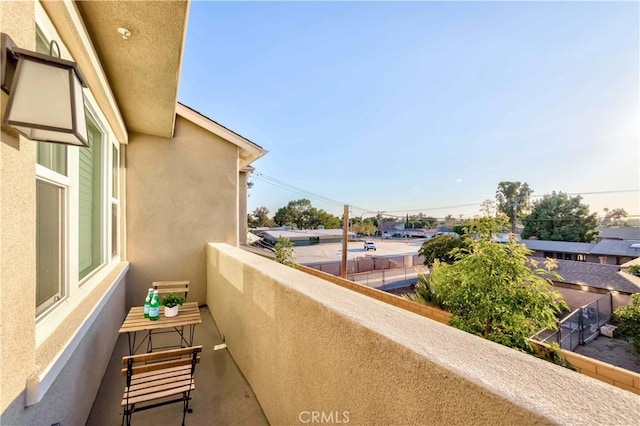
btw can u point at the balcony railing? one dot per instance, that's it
(316, 352)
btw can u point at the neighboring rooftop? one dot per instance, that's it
(558, 246)
(620, 233)
(617, 248)
(391, 226)
(596, 275)
(297, 234)
(603, 247)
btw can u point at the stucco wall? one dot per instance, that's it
(242, 207)
(17, 230)
(182, 193)
(70, 397)
(306, 345)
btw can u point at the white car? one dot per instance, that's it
(369, 245)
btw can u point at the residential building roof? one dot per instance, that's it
(298, 234)
(620, 233)
(249, 151)
(617, 248)
(603, 247)
(391, 226)
(558, 246)
(597, 275)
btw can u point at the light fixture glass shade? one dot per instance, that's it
(46, 101)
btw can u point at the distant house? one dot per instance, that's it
(598, 276)
(304, 237)
(446, 230)
(583, 282)
(619, 233)
(390, 227)
(610, 252)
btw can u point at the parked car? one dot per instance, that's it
(369, 245)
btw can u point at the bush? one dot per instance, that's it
(440, 248)
(634, 269)
(628, 320)
(284, 251)
(425, 292)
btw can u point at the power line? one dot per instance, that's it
(300, 191)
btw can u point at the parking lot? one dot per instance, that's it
(333, 251)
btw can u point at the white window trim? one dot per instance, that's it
(77, 290)
(114, 201)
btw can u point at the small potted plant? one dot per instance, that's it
(171, 303)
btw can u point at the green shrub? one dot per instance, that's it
(628, 320)
(284, 251)
(634, 269)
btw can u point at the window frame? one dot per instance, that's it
(52, 177)
(76, 290)
(114, 225)
(104, 175)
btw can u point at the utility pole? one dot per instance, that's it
(345, 245)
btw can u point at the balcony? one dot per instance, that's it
(314, 352)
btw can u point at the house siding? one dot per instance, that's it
(64, 390)
(17, 230)
(183, 187)
(69, 399)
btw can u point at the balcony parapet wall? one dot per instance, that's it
(311, 348)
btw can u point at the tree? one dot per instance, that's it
(365, 228)
(614, 217)
(558, 217)
(440, 248)
(430, 221)
(260, 218)
(449, 220)
(495, 291)
(284, 251)
(489, 208)
(302, 215)
(628, 320)
(513, 200)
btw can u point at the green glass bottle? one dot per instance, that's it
(154, 307)
(147, 302)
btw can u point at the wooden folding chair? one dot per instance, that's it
(159, 378)
(165, 287)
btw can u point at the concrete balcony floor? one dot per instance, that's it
(222, 395)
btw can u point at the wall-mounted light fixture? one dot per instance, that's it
(45, 95)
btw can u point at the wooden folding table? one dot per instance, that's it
(184, 324)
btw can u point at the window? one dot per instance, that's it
(90, 218)
(77, 207)
(581, 257)
(567, 256)
(558, 255)
(51, 194)
(50, 219)
(548, 254)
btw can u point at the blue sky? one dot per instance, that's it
(424, 106)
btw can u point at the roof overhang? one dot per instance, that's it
(144, 70)
(248, 151)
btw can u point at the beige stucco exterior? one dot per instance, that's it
(186, 190)
(306, 345)
(51, 367)
(242, 205)
(17, 232)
